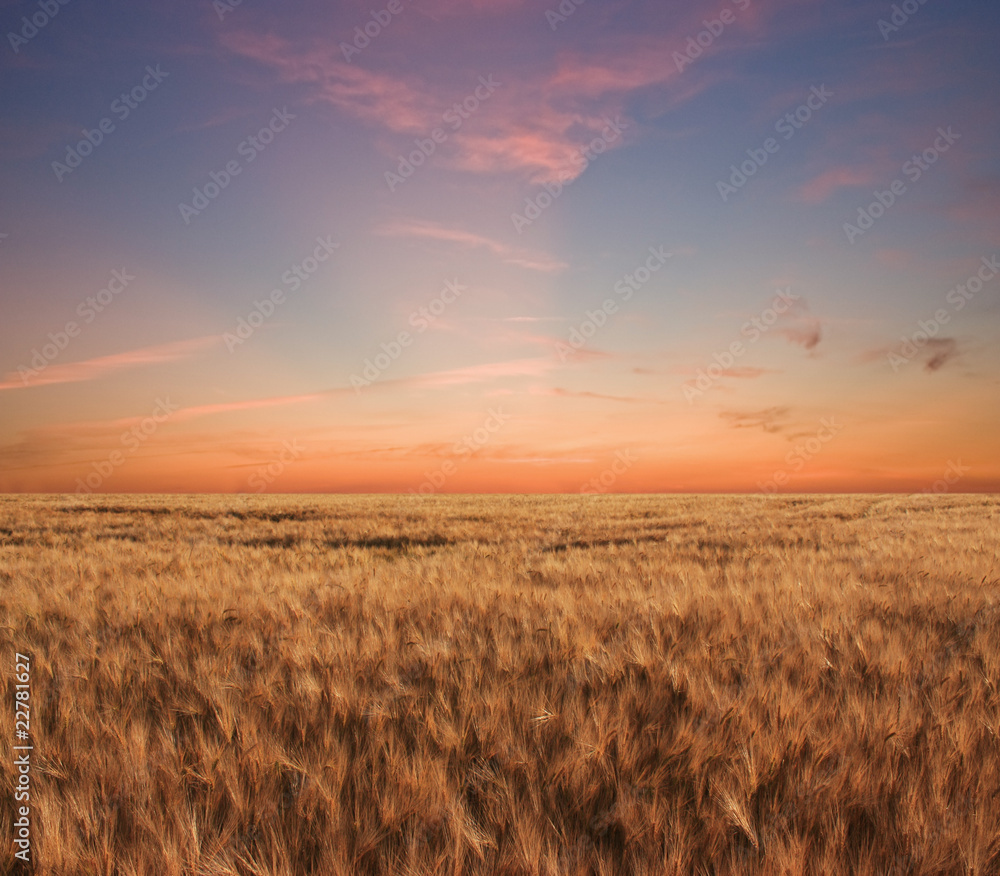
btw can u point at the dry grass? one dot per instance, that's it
(649, 685)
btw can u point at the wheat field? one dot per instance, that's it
(505, 685)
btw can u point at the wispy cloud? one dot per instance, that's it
(377, 98)
(486, 372)
(196, 411)
(92, 369)
(806, 334)
(571, 393)
(935, 353)
(747, 372)
(772, 419)
(537, 123)
(799, 326)
(535, 261)
(534, 319)
(940, 351)
(821, 187)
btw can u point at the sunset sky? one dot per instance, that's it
(500, 246)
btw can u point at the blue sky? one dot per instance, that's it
(311, 119)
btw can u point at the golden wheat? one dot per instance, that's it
(505, 685)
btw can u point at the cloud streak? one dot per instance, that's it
(536, 125)
(772, 419)
(534, 261)
(940, 351)
(102, 366)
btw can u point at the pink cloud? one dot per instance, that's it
(806, 335)
(195, 411)
(373, 97)
(534, 261)
(584, 354)
(569, 393)
(739, 372)
(539, 126)
(484, 373)
(532, 319)
(643, 62)
(747, 372)
(829, 181)
(895, 258)
(799, 326)
(92, 369)
(546, 153)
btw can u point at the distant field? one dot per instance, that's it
(505, 685)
